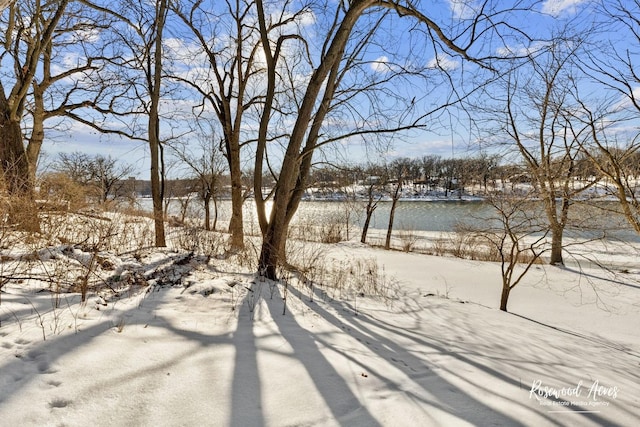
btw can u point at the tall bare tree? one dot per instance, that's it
(537, 100)
(227, 40)
(614, 155)
(28, 29)
(351, 29)
(137, 72)
(65, 86)
(613, 64)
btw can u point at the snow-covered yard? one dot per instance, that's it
(181, 340)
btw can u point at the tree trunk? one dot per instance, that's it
(557, 227)
(392, 213)
(154, 127)
(272, 252)
(504, 297)
(207, 213)
(37, 133)
(556, 246)
(236, 225)
(156, 195)
(215, 214)
(15, 172)
(367, 221)
(387, 242)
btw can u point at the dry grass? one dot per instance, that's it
(468, 245)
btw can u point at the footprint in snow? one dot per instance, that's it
(35, 354)
(59, 403)
(45, 368)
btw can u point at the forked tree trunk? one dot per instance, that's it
(272, 252)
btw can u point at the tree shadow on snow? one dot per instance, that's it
(383, 338)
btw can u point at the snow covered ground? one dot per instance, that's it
(182, 340)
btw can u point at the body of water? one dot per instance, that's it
(431, 216)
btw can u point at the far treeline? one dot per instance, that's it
(110, 179)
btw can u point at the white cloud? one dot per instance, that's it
(519, 51)
(443, 61)
(381, 64)
(463, 9)
(557, 7)
(91, 35)
(625, 100)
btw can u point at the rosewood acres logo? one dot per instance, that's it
(582, 397)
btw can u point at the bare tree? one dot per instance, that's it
(28, 30)
(612, 63)
(138, 77)
(537, 98)
(206, 164)
(105, 174)
(351, 28)
(614, 156)
(231, 83)
(180, 191)
(515, 234)
(396, 174)
(65, 86)
(109, 175)
(373, 183)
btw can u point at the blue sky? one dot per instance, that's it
(440, 140)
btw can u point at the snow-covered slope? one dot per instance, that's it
(214, 348)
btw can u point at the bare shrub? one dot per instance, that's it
(247, 256)
(9, 267)
(196, 239)
(305, 257)
(21, 213)
(440, 246)
(330, 229)
(333, 229)
(134, 233)
(59, 192)
(408, 239)
(333, 279)
(463, 243)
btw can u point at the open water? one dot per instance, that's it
(434, 216)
